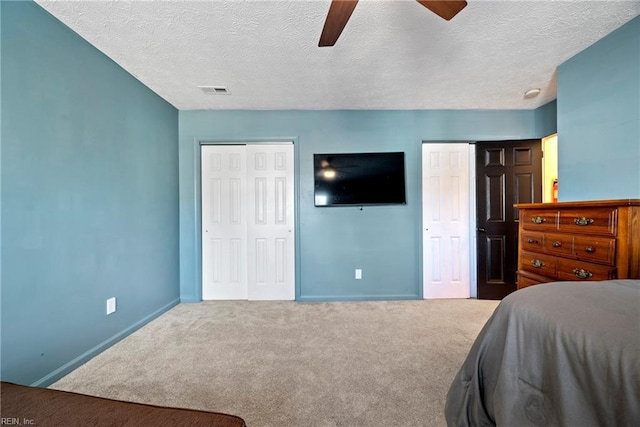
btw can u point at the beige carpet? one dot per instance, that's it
(386, 363)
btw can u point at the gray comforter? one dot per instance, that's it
(559, 354)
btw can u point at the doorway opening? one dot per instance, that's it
(550, 169)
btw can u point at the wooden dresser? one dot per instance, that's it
(596, 240)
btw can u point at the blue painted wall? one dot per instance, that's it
(89, 198)
(384, 241)
(546, 118)
(599, 119)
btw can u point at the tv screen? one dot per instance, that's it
(359, 179)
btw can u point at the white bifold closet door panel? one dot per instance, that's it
(224, 222)
(445, 218)
(248, 222)
(270, 243)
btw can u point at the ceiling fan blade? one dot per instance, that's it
(444, 9)
(339, 13)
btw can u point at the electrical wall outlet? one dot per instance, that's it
(111, 305)
(358, 273)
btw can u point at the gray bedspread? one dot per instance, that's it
(559, 354)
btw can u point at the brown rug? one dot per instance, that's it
(42, 407)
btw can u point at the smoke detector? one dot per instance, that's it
(532, 93)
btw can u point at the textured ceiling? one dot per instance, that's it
(391, 55)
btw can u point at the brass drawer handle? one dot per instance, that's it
(556, 244)
(538, 219)
(583, 221)
(537, 263)
(582, 273)
(532, 241)
(589, 249)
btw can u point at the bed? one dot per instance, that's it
(557, 354)
(22, 405)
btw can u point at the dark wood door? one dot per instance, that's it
(507, 172)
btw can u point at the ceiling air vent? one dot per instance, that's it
(215, 90)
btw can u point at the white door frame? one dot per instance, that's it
(473, 274)
(196, 273)
(473, 235)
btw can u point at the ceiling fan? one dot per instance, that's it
(340, 12)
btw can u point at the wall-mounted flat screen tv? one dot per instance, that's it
(359, 179)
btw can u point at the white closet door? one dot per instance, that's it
(270, 247)
(445, 218)
(224, 222)
(248, 247)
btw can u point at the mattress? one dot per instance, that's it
(563, 353)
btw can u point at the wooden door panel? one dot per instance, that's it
(507, 172)
(523, 156)
(495, 190)
(524, 190)
(495, 259)
(494, 156)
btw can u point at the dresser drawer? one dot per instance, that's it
(532, 241)
(528, 279)
(560, 244)
(523, 282)
(579, 270)
(542, 264)
(539, 219)
(589, 221)
(597, 249)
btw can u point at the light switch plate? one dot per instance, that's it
(358, 273)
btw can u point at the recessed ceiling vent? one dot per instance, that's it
(215, 90)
